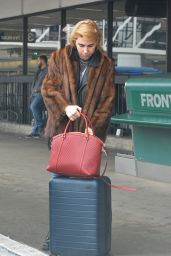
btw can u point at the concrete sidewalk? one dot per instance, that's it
(9, 247)
(112, 141)
(141, 220)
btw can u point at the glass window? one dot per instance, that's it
(43, 37)
(138, 41)
(97, 12)
(11, 47)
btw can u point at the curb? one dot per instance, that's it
(9, 247)
(119, 143)
(113, 142)
(15, 128)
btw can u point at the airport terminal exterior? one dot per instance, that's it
(135, 32)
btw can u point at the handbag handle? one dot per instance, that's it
(87, 121)
(104, 151)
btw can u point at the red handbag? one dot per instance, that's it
(76, 153)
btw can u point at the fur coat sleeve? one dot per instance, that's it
(53, 84)
(105, 104)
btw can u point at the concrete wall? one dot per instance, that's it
(10, 8)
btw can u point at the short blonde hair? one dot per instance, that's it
(88, 29)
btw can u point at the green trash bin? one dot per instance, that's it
(149, 113)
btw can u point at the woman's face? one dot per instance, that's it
(85, 47)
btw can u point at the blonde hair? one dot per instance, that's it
(88, 29)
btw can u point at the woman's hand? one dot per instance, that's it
(73, 112)
(90, 131)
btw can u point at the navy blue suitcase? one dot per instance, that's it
(80, 217)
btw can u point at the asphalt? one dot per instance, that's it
(141, 219)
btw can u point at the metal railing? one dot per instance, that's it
(120, 104)
(15, 99)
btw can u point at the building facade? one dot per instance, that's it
(135, 32)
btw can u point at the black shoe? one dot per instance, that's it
(34, 136)
(45, 244)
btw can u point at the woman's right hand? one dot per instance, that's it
(73, 112)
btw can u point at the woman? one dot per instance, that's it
(80, 78)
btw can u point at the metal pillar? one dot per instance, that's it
(63, 24)
(25, 70)
(110, 27)
(25, 50)
(168, 36)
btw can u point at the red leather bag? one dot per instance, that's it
(76, 153)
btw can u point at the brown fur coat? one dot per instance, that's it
(59, 89)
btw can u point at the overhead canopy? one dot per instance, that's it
(146, 8)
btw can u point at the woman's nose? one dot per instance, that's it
(85, 49)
